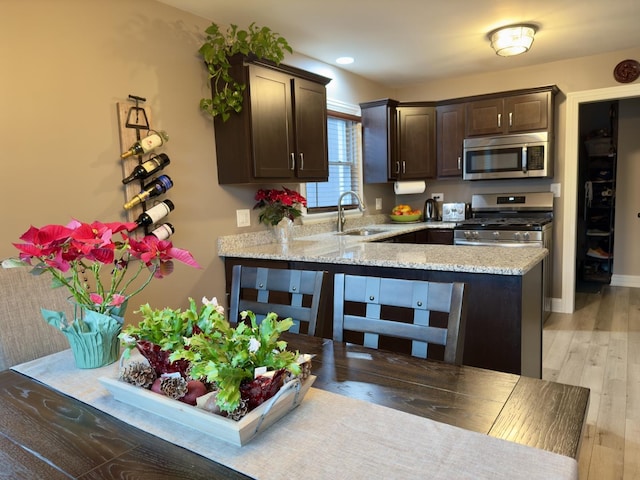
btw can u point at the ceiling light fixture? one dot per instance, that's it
(512, 40)
(344, 60)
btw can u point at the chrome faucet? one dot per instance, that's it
(341, 219)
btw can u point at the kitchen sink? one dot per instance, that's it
(361, 232)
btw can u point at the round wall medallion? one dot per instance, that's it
(626, 71)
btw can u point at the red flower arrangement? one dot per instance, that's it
(77, 255)
(278, 204)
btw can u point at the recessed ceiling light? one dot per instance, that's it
(344, 60)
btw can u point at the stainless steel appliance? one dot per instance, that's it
(512, 220)
(454, 212)
(507, 156)
(431, 210)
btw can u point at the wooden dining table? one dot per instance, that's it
(46, 434)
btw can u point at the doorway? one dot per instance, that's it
(597, 169)
(569, 201)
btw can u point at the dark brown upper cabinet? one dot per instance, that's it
(450, 125)
(398, 141)
(280, 135)
(517, 113)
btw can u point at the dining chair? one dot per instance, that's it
(289, 293)
(24, 334)
(426, 315)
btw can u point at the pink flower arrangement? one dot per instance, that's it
(91, 261)
(278, 204)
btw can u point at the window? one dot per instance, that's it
(344, 134)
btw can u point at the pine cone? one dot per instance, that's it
(240, 411)
(305, 372)
(174, 387)
(305, 368)
(139, 374)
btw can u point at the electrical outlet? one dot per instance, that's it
(378, 204)
(438, 197)
(555, 188)
(243, 217)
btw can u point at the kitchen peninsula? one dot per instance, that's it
(504, 285)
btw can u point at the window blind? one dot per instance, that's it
(344, 150)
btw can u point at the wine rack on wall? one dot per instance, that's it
(134, 123)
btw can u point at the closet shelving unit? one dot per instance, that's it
(599, 205)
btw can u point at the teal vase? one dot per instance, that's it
(93, 337)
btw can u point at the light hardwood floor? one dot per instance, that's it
(598, 346)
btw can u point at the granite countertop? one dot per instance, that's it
(317, 244)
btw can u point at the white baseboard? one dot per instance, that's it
(625, 281)
(558, 306)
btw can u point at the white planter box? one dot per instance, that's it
(235, 432)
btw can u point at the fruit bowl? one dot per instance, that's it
(406, 218)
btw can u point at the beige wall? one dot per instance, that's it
(626, 254)
(65, 65)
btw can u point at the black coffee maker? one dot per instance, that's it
(431, 211)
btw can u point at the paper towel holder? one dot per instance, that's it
(409, 187)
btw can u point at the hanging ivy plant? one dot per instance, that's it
(219, 46)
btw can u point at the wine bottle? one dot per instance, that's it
(148, 168)
(146, 144)
(163, 232)
(155, 213)
(153, 189)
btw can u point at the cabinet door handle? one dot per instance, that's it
(397, 167)
(404, 167)
(511, 119)
(301, 161)
(293, 161)
(459, 163)
(499, 120)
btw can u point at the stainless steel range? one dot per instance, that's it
(512, 220)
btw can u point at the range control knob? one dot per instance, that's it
(526, 236)
(516, 236)
(496, 235)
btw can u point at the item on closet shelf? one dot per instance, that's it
(604, 174)
(146, 144)
(148, 168)
(600, 145)
(588, 193)
(159, 186)
(596, 232)
(155, 213)
(598, 253)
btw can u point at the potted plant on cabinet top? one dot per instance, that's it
(219, 46)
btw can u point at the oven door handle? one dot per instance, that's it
(481, 243)
(524, 159)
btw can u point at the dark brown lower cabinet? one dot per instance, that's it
(504, 312)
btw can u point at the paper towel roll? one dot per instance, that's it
(404, 188)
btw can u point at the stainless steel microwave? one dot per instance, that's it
(507, 156)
